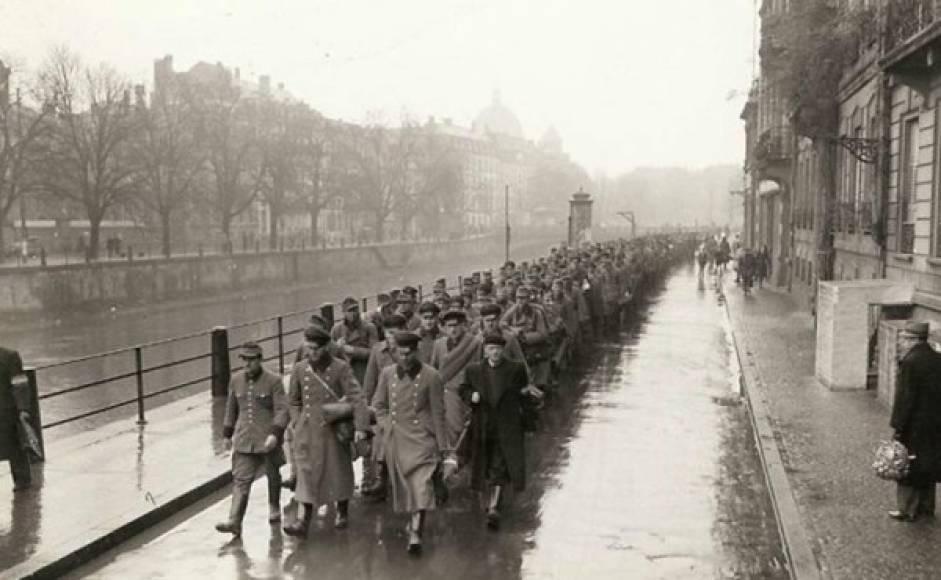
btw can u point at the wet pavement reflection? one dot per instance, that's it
(645, 468)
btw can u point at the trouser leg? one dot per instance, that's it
(244, 467)
(19, 467)
(926, 499)
(907, 497)
(273, 462)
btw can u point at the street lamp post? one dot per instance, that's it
(506, 222)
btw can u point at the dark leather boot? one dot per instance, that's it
(299, 527)
(274, 496)
(343, 515)
(415, 528)
(493, 508)
(236, 514)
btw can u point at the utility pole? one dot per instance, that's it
(506, 221)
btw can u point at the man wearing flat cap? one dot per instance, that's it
(495, 388)
(916, 419)
(450, 356)
(405, 306)
(429, 331)
(256, 414)
(354, 337)
(324, 463)
(409, 404)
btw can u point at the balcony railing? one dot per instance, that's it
(774, 143)
(906, 18)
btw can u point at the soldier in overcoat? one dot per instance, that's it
(324, 464)
(409, 404)
(14, 405)
(495, 388)
(256, 414)
(916, 419)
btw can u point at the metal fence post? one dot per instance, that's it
(35, 416)
(281, 343)
(421, 293)
(365, 302)
(219, 359)
(326, 311)
(139, 375)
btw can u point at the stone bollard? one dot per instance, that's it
(220, 368)
(35, 416)
(326, 311)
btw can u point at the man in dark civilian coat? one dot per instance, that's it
(14, 404)
(495, 389)
(916, 418)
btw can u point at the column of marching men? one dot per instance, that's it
(430, 393)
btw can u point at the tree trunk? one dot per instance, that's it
(314, 212)
(380, 227)
(3, 246)
(94, 235)
(165, 232)
(227, 233)
(273, 214)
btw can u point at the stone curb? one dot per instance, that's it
(801, 561)
(101, 544)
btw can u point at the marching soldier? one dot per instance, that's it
(452, 353)
(256, 414)
(409, 405)
(354, 337)
(429, 331)
(324, 463)
(528, 324)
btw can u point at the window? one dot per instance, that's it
(906, 187)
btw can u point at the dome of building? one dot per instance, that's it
(550, 141)
(498, 119)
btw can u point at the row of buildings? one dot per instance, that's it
(500, 176)
(850, 204)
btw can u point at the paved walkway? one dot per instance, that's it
(646, 468)
(101, 487)
(827, 441)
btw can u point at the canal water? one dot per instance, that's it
(646, 467)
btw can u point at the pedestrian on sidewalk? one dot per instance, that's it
(916, 419)
(256, 414)
(324, 463)
(409, 404)
(14, 407)
(495, 388)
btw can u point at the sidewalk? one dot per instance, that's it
(101, 487)
(826, 441)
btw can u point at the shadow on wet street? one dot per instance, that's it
(645, 467)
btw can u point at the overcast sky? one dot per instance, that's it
(625, 82)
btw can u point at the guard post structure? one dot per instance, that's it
(220, 365)
(579, 218)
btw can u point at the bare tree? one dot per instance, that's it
(322, 167)
(21, 130)
(228, 127)
(87, 158)
(436, 186)
(284, 128)
(379, 174)
(169, 156)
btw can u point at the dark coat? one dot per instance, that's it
(10, 403)
(916, 413)
(501, 404)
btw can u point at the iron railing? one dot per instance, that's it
(120, 378)
(906, 18)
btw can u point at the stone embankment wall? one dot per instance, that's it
(88, 286)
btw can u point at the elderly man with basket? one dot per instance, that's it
(916, 419)
(330, 415)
